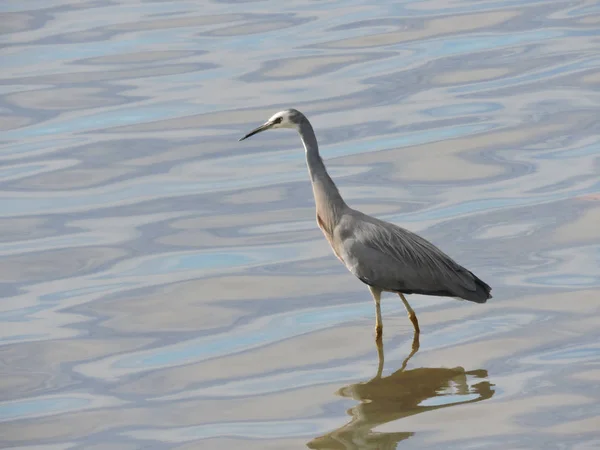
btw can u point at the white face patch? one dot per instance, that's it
(285, 121)
(289, 118)
(276, 115)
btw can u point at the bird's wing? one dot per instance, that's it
(389, 257)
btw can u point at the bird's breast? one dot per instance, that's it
(328, 235)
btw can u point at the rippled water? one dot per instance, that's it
(164, 286)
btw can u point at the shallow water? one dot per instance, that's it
(164, 286)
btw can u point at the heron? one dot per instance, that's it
(384, 256)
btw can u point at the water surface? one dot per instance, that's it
(164, 286)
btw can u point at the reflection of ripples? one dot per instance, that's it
(145, 256)
(404, 393)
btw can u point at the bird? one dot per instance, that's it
(384, 256)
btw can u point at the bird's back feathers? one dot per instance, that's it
(392, 258)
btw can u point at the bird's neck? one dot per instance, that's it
(329, 203)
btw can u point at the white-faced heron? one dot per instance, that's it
(380, 254)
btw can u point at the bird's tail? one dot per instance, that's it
(481, 293)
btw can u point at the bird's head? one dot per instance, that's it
(289, 118)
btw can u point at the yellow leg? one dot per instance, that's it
(415, 349)
(378, 322)
(380, 357)
(411, 314)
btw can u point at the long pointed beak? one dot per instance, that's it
(263, 127)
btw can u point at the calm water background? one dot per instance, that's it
(164, 286)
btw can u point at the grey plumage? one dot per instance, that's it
(382, 255)
(394, 259)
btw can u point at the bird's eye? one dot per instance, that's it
(278, 120)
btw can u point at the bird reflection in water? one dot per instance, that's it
(404, 393)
